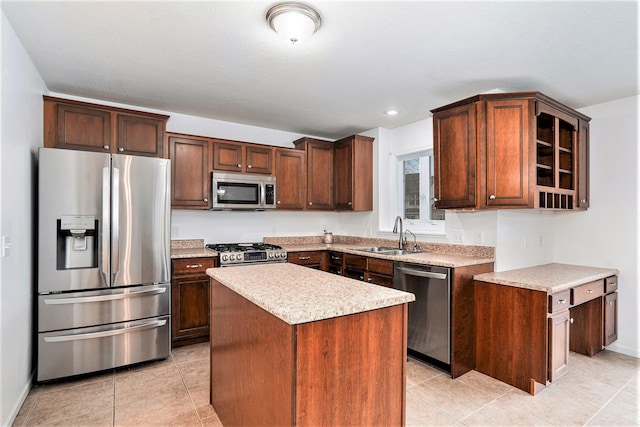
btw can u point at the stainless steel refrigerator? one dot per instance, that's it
(103, 261)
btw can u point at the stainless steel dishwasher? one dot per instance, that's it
(429, 325)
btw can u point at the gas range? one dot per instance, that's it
(248, 253)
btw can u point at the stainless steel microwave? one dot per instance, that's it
(242, 191)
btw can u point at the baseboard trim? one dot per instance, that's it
(23, 396)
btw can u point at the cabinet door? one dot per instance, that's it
(259, 160)
(610, 318)
(228, 156)
(507, 154)
(190, 308)
(140, 136)
(454, 150)
(378, 279)
(319, 175)
(83, 128)
(189, 172)
(290, 179)
(558, 345)
(583, 165)
(343, 175)
(315, 259)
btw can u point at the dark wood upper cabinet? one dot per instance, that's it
(140, 136)
(353, 173)
(77, 125)
(235, 156)
(510, 150)
(189, 172)
(319, 172)
(290, 178)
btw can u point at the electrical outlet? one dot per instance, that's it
(479, 237)
(457, 236)
(6, 246)
(175, 232)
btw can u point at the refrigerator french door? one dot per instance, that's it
(103, 261)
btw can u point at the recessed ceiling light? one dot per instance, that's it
(391, 112)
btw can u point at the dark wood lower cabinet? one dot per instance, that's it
(347, 370)
(558, 344)
(610, 318)
(190, 301)
(312, 259)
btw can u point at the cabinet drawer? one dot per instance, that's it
(192, 265)
(610, 284)
(380, 266)
(559, 301)
(305, 258)
(379, 279)
(335, 258)
(355, 262)
(587, 292)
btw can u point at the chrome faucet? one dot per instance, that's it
(402, 241)
(416, 246)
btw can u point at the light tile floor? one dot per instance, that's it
(597, 391)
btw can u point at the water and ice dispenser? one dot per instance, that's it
(77, 242)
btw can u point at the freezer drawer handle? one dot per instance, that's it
(419, 273)
(121, 331)
(100, 298)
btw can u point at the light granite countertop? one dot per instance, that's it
(550, 278)
(431, 258)
(192, 253)
(297, 294)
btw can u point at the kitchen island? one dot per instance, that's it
(295, 346)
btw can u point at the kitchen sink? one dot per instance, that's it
(384, 250)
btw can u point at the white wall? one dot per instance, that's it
(20, 136)
(607, 234)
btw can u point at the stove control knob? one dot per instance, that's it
(239, 257)
(232, 257)
(224, 257)
(271, 255)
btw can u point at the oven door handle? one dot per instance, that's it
(120, 331)
(100, 298)
(428, 274)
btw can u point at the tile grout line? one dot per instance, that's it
(612, 397)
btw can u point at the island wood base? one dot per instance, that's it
(347, 370)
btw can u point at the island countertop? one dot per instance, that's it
(548, 278)
(297, 294)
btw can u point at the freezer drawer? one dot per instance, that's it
(80, 351)
(91, 308)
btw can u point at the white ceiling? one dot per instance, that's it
(221, 60)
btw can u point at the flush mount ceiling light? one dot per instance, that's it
(294, 22)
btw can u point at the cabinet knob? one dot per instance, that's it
(571, 320)
(278, 202)
(248, 166)
(205, 200)
(435, 199)
(310, 203)
(609, 302)
(583, 201)
(349, 203)
(492, 197)
(369, 279)
(121, 149)
(239, 165)
(106, 147)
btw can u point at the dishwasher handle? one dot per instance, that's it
(428, 274)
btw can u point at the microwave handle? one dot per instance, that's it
(263, 193)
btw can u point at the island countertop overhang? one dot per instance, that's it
(297, 294)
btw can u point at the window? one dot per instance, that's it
(415, 185)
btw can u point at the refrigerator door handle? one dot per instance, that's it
(119, 331)
(100, 298)
(106, 220)
(115, 221)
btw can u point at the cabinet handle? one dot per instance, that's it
(369, 279)
(561, 301)
(335, 257)
(612, 284)
(492, 197)
(248, 166)
(121, 149)
(304, 258)
(361, 277)
(194, 265)
(583, 201)
(205, 200)
(349, 203)
(106, 147)
(609, 302)
(589, 291)
(239, 165)
(310, 203)
(571, 320)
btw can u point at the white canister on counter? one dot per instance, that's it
(328, 236)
